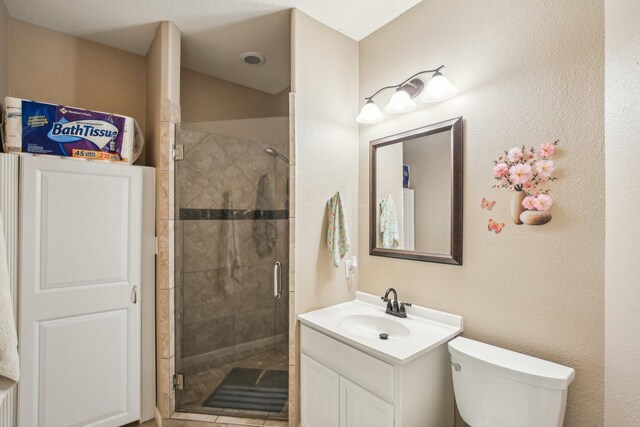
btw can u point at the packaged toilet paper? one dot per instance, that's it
(58, 130)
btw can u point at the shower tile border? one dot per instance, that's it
(189, 214)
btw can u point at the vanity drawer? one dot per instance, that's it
(371, 373)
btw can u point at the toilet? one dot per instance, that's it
(495, 387)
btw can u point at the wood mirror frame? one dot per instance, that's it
(455, 255)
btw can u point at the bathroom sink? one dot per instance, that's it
(360, 323)
(369, 326)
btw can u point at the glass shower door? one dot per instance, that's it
(231, 234)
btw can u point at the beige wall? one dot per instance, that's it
(4, 51)
(153, 105)
(270, 130)
(54, 67)
(281, 104)
(622, 296)
(326, 88)
(206, 98)
(526, 74)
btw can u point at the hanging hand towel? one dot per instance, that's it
(9, 361)
(264, 229)
(337, 235)
(389, 223)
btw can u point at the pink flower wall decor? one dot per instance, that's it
(527, 173)
(529, 203)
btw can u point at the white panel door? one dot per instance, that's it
(359, 408)
(319, 392)
(80, 293)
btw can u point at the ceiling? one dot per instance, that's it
(214, 32)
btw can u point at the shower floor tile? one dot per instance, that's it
(199, 386)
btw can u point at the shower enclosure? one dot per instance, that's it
(231, 258)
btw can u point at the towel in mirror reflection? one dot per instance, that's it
(389, 223)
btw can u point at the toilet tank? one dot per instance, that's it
(495, 387)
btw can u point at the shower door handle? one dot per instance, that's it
(277, 279)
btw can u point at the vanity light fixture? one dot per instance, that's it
(437, 89)
(370, 113)
(400, 102)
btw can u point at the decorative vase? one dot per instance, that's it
(516, 206)
(535, 217)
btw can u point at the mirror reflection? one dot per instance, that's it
(413, 194)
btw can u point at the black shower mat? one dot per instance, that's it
(251, 389)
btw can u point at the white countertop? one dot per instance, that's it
(359, 322)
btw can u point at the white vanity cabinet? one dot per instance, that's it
(359, 408)
(329, 399)
(342, 386)
(320, 394)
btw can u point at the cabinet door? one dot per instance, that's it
(359, 408)
(79, 305)
(319, 394)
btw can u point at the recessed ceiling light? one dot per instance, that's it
(252, 58)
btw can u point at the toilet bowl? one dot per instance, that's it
(495, 387)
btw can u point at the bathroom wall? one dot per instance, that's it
(153, 104)
(4, 51)
(268, 129)
(326, 102)
(163, 110)
(526, 74)
(54, 67)
(232, 101)
(622, 269)
(325, 147)
(281, 105)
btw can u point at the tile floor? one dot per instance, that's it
(199, 386)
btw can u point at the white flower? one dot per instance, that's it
(546, 150)
(543, 202)
(520, 174)
(545, 168)
(500, 170)
(529, 156)
(515, 154)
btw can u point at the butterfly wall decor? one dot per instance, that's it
(495, 226)
(487, 204)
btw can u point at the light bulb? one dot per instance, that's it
(400, 102)
(438, 89)
(370, 114)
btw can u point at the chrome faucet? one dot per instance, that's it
(394, 307)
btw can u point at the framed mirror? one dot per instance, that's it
(415, 194)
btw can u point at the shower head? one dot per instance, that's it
(273, 153)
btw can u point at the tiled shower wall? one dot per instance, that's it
(225, 308)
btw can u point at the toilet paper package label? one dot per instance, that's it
(64, 131)
(42, 128)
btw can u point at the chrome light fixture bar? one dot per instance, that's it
(437, 89)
